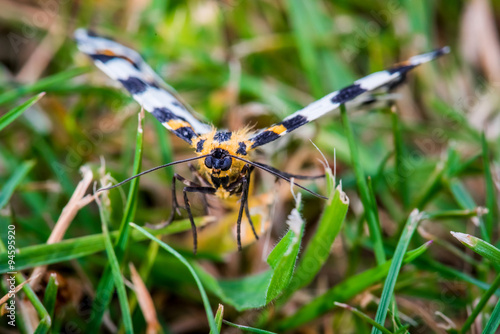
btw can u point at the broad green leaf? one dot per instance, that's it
(318, 248)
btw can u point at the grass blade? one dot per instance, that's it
(364, 193)
(400, 159)
(397, 260)
(14, 181)
(69, 249)
(364, 317)
(105, 287)
(480, 305)
(344, 291)
(494, 322)
(45, 320)
(479, 246)
(42, 85)
(116, 272)
(491, 199)
(206, 303)
(49, 300)
(218, 317)
(11, 115)
(247, 329)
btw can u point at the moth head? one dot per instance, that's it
(219, 160)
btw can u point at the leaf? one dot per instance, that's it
(69, 249)
(247, 329)
(397, 261)
(206, 303)
(50, 295)
(11, 115)
(318, 248)
(14, 181)
(116, 272)
(105, 287)
(218, 317)
(343, 291)
(479, 246)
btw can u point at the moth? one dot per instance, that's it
(225, 157)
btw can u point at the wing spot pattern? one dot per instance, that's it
(222, 136)
(294, 122)
(347, 94)
(164, 115)
(242, 149)
(134, 85)
(200, 144)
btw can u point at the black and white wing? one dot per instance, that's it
(127, 66)
(375, 81)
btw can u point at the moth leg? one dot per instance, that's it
(175, 203)
(247, 209)
(245, 182)
(195, 189)
(201, 180)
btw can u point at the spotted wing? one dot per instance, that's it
(126, 66)
(356, 92)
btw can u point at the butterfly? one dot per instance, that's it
(225, 162)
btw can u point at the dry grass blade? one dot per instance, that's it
(77, 201)
(19, 287)
(145, 301)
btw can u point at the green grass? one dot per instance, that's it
(240, 63)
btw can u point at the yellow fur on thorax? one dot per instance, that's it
(230, 146)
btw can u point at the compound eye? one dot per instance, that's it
(226, 163)
(208, 162)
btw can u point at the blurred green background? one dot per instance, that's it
(251, 63)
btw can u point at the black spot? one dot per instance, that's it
(164, 115)
(105, 58)
(223, 136)
(179, 105)
(347, 94)
(400, 69)
(102, 58)
(134, 85)
(242, 149)
(185, 133)
(199, 145)
(264, 137)
(293, 123)
(92, 33)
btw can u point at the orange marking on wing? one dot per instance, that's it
(107, 52)
(279, 129)
(175, 124)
